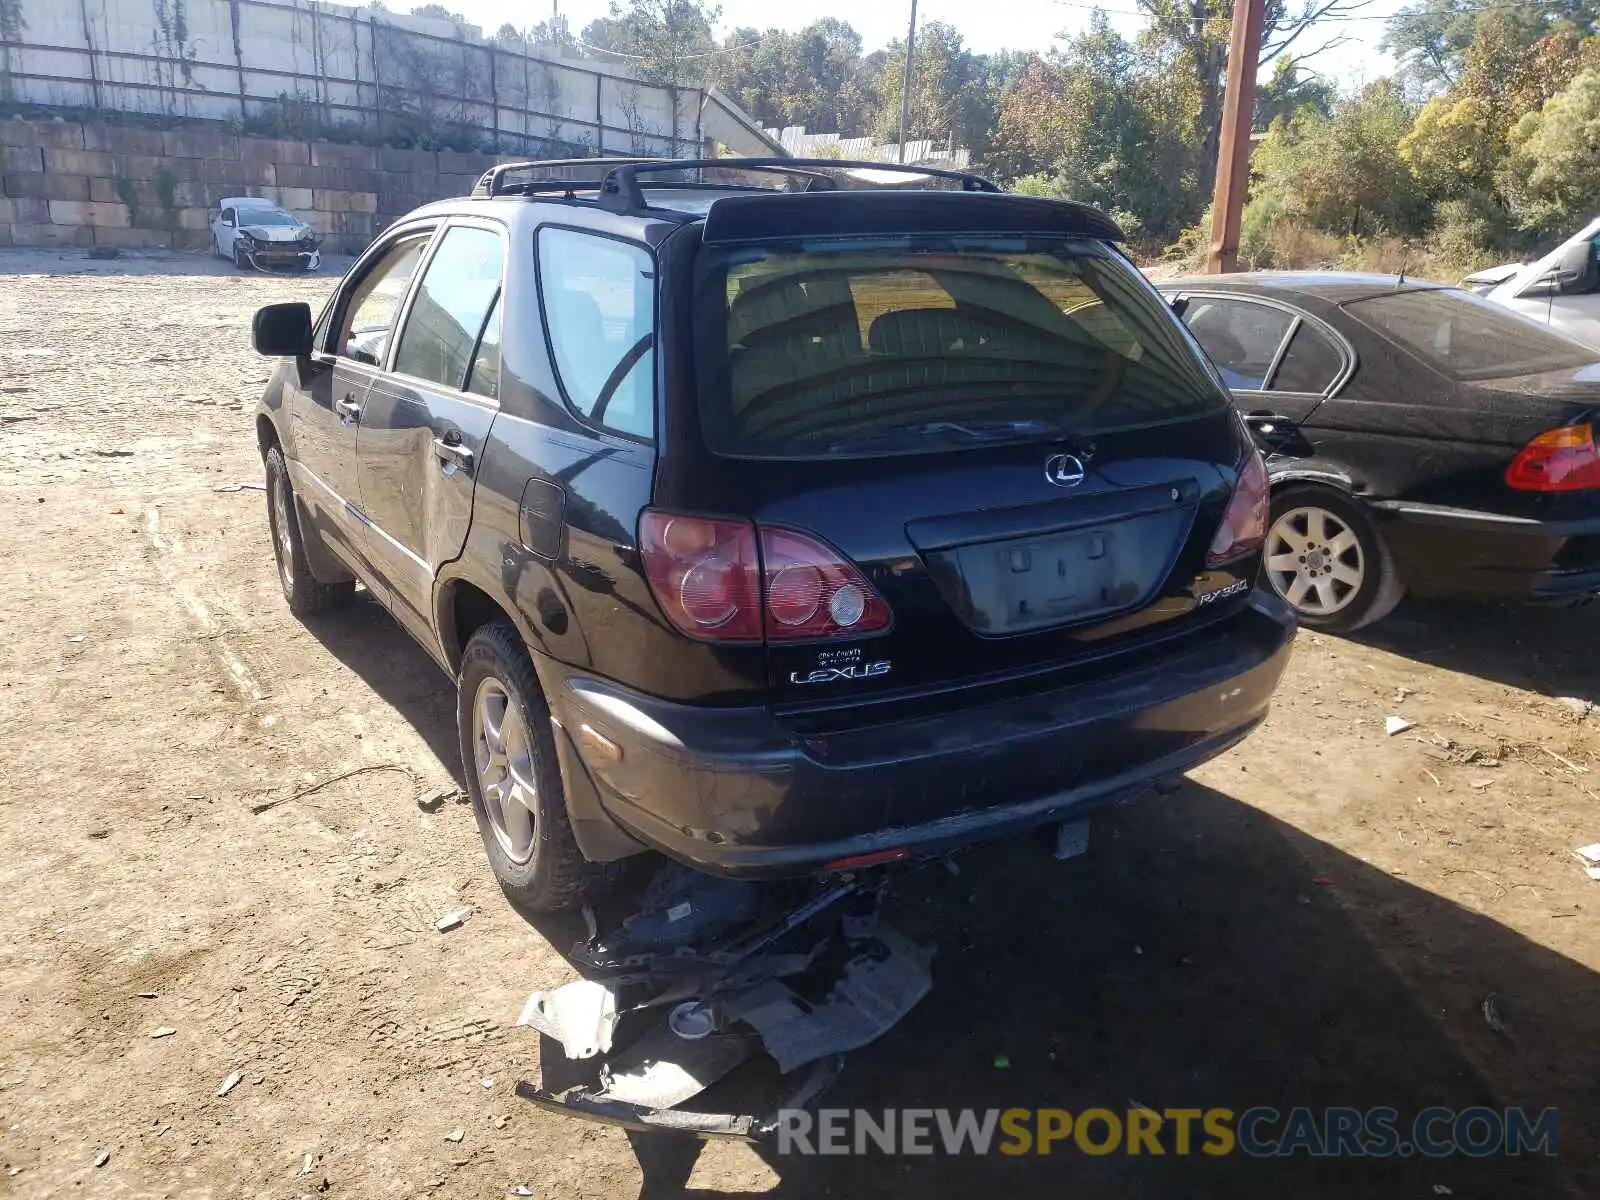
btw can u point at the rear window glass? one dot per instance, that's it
(872, 347)
(1466, 336)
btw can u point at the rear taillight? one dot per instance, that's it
(706, 575)
(1244, 521)
(813, 591)
(1562, 460)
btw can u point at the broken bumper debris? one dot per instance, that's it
(712, 974)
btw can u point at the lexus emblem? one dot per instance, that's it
(1064, 470)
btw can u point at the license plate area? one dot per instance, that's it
(1042, 581)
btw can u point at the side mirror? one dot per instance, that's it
(1180, 305)
(282, 330)
(1574, 272)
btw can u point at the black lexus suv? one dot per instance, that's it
(781, 526)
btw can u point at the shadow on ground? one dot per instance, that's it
(364, 637)
(1538, 647)
(1191, 959)
(47, 260)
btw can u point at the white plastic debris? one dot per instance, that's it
(102, 1158)
(1576, 705)
(1590, 856)
(1393, 724)
(582, 1016)
(163, 1031)
(228, 1084)
(305, 1164)
(452, 920)
(455, 1135)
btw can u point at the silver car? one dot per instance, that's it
(257, 233)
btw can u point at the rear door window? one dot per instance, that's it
(1466, 336)
(1242, 338)
(447, 318)
(599, 311)
(1310, 364)
(880, 346)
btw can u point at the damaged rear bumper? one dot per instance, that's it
(737, 792)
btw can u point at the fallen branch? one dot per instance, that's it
(264, 806)
(1566, 762)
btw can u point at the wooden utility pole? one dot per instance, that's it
(905, 78)
(1233, 156)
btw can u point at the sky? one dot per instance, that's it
(987, 25)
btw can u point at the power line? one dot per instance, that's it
(1508, 5)
(774, 35)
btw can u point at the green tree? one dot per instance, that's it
(1432, 40)
(1342, 173)
(814, 78)
(1098, 121)
(947, 103)
(439, 12)
(1552, 175)
(669, 42)
(1291, 89)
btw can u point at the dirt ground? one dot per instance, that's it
(1315, 919)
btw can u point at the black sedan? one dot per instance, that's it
(1418, 438)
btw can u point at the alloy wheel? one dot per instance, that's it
(1314, 560)
(282, 508)
(503, 754)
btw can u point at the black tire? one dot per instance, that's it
(555, 876)
(306, 596)
(1380, 587)
(239, 260)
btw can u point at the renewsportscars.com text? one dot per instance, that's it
(1259, 1132)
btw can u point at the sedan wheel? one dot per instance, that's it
(504, 761)
(1327, 558)
(1315, 561)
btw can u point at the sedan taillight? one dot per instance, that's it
(1244, 521)
(714, 585)
(1560, 460)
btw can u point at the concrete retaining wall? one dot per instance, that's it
(65, 183)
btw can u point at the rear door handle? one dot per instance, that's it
(453, 452)
(1267, 423)
(349, 409)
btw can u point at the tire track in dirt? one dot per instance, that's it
(167, 550)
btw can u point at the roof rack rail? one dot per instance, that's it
(620, 192)
(493, 181)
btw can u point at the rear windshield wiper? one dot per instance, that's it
(955, 431)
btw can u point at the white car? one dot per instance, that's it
(257, 233)
(1561, 290)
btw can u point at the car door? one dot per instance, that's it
(223, 229)
(352, 343)
(1279, 362)
(424, 422)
